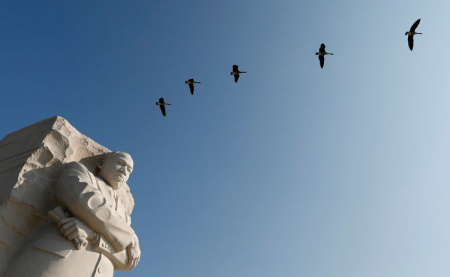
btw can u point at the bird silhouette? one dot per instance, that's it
(236, 73)
(322, 54)
(411, 34)
(191, 83)
(162, 105)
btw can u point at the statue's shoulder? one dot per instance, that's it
(75, 169)
(74, 165)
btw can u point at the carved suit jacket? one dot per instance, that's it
(95, 203)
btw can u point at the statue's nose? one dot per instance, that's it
(123, 170)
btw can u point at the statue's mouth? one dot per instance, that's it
(120, 177)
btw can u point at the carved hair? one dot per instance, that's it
(106, 156)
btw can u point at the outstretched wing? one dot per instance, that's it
(191, 87)
(414, 26)
(235, 68)
(236, 78)
(163, 109)
(322, 48)
(322, 60)
(411, 42)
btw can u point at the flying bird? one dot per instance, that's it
(236, 73)
(411, 34)
(322, 54)
(191, 83)
(161, 105)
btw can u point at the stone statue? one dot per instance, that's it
(93, 235)
(77, 217)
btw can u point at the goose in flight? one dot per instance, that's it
(236, 73)
(411, 34)
(322, 54)
(191, 83)
(161, 105)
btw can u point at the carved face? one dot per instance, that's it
(116, 169)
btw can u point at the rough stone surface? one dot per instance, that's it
(30, 161)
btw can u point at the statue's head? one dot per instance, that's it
(115, 168)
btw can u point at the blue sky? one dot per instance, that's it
(293, 171)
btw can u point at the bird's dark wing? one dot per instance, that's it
(235, 68)
(322, 48)
(236, 78)
(322, 60)
(191, 87)
(414, 26)
(161, 100)
(163, 109)
(411, 42)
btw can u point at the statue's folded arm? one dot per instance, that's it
(77, 190)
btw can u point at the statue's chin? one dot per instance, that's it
(116, 185)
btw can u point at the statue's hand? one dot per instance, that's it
(134, 253)
(72, 228)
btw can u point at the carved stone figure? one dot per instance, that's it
(93, 216)
(65, 205)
